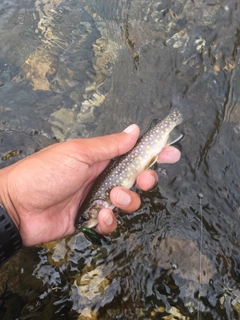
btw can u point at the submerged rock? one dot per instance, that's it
(183, 258)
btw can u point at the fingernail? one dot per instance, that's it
(123, 198)
(108, 219)
(153, 181)
(130, 128)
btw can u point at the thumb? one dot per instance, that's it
(107, 147)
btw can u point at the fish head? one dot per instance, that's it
(89, 217)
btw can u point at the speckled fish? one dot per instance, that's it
(124, 171)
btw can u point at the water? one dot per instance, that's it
(84, 68)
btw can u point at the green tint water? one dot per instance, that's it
(85, 68)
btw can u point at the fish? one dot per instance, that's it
(125, 169)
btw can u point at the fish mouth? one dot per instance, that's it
(89, 217)
(82, 219)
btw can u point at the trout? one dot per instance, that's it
(125, 169)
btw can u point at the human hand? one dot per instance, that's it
(41, 192)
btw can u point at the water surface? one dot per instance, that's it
(85, 68)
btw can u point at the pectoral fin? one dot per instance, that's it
(151, 162)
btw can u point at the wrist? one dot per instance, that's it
(10, 238)
(5, 198)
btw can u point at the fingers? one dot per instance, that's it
(169, 155)
(129, 201)
(107, 222)
(125, 200)
(107, 147)
(147, 180)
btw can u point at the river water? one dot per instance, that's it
(86, 68)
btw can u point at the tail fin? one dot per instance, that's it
(187, 108)
(180, 100)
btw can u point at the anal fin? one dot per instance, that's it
(174, 136)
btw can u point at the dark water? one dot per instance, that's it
(85, 68)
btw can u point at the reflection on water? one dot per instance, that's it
(84, 68)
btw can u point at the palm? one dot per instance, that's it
(54, 184)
